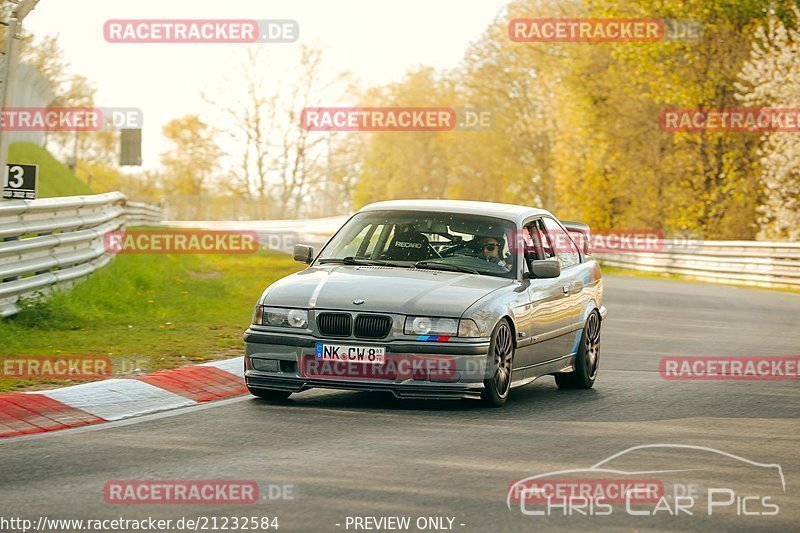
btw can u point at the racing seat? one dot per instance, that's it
(408, 245)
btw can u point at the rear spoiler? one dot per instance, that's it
(581, 234)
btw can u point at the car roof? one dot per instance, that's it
(516, 213)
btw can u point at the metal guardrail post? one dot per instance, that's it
(8, 239)
(46, 270)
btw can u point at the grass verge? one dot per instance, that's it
(158, 311)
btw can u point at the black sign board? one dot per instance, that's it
(130, 147)
(21, 182)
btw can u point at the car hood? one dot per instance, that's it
(383, 289)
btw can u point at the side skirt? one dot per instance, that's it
(532, 372)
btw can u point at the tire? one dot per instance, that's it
(497, 384)
(587, 361)
(270, 394)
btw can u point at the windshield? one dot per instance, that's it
(440, 241)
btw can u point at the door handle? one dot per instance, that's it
(565, 289)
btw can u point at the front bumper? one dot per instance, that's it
(430, 370)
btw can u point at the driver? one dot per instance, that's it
(490, 248)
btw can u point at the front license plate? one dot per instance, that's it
(375, 355)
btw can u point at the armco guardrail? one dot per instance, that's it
(764, 264)
(142, 214)
(54, 242)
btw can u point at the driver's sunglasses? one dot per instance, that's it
(489, 247)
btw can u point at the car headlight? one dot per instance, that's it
(282, 317)
(468, 328)
(426, 325)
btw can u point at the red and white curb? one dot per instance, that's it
(26, 413)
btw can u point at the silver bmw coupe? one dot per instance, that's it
(433, 299)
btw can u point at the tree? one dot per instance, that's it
(771, 78)
(405, 164)
(280, 161)
(193, 159)
(252, 118)
(297, 158)
(520, 83)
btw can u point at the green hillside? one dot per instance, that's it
(55, 179)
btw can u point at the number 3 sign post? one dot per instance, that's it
(21, 182)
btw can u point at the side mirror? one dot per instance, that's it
(303, 253)
(545, 268)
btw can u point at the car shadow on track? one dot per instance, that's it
(372, 401)
(522, 400)
(612, 400)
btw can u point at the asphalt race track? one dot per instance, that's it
(359, 454)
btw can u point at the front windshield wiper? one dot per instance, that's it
(435, 265)
(350, 260)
